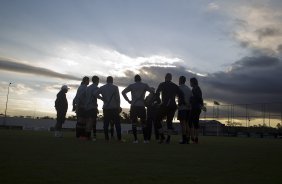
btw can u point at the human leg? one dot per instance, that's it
(107, 118)
(169, 114)
(61, 117)
(142, 116)
(133, 117)
(116, 120)
(112, 123)
(195, 124)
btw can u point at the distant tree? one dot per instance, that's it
(72, 118)
(233, 124)
(47, 117)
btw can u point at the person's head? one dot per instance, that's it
(193, 82)
(137, 78)
(168, 77)
(182, 80)
(65, 88)
(110, 79)
(85, 80)
(95, 79)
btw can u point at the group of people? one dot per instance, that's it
(161, 104)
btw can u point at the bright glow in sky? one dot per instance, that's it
(45, 44)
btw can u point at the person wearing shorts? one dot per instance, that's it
(168, 91)
(152, 104)
(91, 108)
(109, 94)
(79, 108)
(184, 110)
(137, 108)
(197, 103)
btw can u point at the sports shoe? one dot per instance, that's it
(59, 134)
(146, 142)
(135, 142)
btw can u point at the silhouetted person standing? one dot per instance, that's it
(79, 107)
(152, 103)
(111, 108)
(168, 91)
(91, 108)
(197, 104)
(61, 105)
(184, 110)
(137, 108)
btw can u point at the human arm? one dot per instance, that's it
(124, 92)
(158, 91)
(98, 95)
(181, 98)
(117, 96)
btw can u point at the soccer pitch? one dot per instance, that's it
(38, 157)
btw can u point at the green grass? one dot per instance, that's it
(37, 157)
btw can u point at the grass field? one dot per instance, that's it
(37, 157)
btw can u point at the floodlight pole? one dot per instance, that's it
(4, 122)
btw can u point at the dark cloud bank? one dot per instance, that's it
(13, 66)
(249, 80)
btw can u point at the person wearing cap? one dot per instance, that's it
(61, 105)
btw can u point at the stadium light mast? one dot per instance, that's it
(4, 123)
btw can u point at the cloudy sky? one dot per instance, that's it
(233, 47)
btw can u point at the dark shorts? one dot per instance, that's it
(91, 113)
(111, 115)
(81, 112)
(138, 112)
(167, 112)
(183, 115)
(194, 118)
